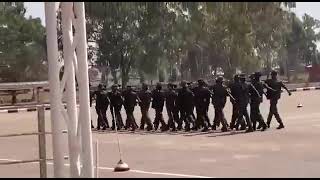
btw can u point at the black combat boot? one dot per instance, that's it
(280, 126)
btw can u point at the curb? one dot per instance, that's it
(304, 89)
(21, 110)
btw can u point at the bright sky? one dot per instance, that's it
(36, 9)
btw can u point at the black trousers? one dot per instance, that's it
(145, 119)
(171, 118)
(102, 117)
(219, 118)
(159, 119)
(187, 117)
(118, 118)
(255, 115)
(202, 118)
(274, 112)
(130, 121)
(243, 112)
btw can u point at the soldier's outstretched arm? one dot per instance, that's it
(268, 87)
(285, 87)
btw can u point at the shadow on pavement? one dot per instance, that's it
(216, 133)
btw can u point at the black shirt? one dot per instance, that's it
(145, 98)
(219, 96)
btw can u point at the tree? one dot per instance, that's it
(22, 45)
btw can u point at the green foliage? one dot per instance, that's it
(22, 45)
(197, 37)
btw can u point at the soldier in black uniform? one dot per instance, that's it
(243, 102)
(256, 98)
(202, 101)
(235, 88)
(219, 99)
(91, 99)
(273, 94)
(145, 99)
(176, 107)
(186, 105)
(171, 100)
(207, 107)
(102, 103)
(116, 101)
(130, 101)
(158, 98)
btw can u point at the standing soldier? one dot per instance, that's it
(116, 102)
(202, 99)
(130, 101)
(102, 103)
(219, 99)
(243, 102)
(158, 99)
(273, 94)
(256, 98)
(171, 103)
(145, 100)
(186, 105)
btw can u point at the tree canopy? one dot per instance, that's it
(22, 45)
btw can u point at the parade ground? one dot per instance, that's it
(289, 152)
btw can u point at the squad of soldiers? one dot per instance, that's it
(181, 102)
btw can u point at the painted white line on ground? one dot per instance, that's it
(244, 156)
(133, 170)
(207, 160)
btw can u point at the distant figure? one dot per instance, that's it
(158, 98)
(202, 101)
(145, 99)
(244, 101)
(274, 94)
(256, 98)
(102, 103)
(235, 88)
(186, 105)
(171, 103)
(116, 102)
(219, 99)
(130, 101)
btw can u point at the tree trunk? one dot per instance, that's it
(114, 76)
(142, 78)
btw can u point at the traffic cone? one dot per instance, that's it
(121, 166)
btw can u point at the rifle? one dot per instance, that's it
(229, 93)
(255, 90)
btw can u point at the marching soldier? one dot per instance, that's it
(185, 99)
(116, 102)
(243, 102)
(202, 101)
(274, 94)
(130, 101)
(219, 99)
(102, 103)
(145, 99)
(171, 103)
(235, 89)
(91, 99)
(158, 99)
(192, 87)
(256, 98)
